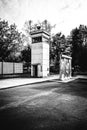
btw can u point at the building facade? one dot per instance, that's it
(40, 53)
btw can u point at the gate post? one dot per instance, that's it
(2, 68)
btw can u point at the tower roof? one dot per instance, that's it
(43, 28)
(39, 32)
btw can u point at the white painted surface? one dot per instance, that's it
(10, 68)
(40, 56)
(7, 68)
(18, 68)
(45, 59)
(37, 53)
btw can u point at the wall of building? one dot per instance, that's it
(40, 53)
(45, 59)
(36, 53)
(40, 57)
(37, 57)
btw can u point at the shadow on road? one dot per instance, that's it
(76, 88)
(46, 112)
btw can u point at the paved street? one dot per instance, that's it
(49, 105)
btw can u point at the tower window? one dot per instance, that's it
(36, 39)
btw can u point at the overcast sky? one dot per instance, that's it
(66, 14)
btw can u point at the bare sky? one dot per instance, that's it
(66, 14)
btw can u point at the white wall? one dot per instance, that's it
(7, 68)
(45, 59)
(18, 67)
(11, 68)
(45, 51)
(40, 73)
(40, 55)
(36, 53)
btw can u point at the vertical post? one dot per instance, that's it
(70, 68)
(13, 68)
(60, 67)
(2, 68)
(60, 63)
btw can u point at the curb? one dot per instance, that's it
(26, 84)
(60, 81)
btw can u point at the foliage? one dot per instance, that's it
(57, 47)
(26, 56)
(10, 41)
(26, 40)
(79, 47)
(27, 27)
(45, 25)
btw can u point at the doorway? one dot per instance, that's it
(35, 71)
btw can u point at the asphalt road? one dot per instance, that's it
(45, 106)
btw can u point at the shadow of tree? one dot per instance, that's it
(77, 87)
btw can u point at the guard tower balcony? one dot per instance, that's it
(39, 34)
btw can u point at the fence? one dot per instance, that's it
(10, 68)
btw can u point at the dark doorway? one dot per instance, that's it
(35, 70)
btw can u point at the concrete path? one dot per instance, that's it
(13, 82)
(7, 83)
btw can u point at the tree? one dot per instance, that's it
(57, 47)
(79, 47)
(26, 56)
(68, 46)
(45, 25)
(27, 27)
(10, 41)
